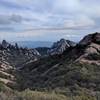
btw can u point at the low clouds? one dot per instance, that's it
(23, 16)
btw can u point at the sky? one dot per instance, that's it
(48, 20)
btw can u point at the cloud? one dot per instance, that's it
(9, 19)
(81, 22)
(26, 17)
(66, 6)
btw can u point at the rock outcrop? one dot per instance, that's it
(16, 55)
(95, 38)
(91, 52)
(60, 46)
(13, 57)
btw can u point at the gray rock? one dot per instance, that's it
(60, 46)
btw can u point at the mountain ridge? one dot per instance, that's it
(60, 46)
(73, 70)
(65, 70)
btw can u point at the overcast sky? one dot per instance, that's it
(48, 20)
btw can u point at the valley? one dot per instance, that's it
(69, 69)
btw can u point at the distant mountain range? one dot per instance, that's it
(34, 44)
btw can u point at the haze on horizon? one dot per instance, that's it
(48, 20)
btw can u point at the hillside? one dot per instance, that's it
(72, 73)
(13, 57)
(74, 70)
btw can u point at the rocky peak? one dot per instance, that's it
(60, 46)
(62, 42)
(5, 44)
(91, 44)
(95, 38)
(16, 55)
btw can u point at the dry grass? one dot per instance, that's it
(35, 95)
(31, 95)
